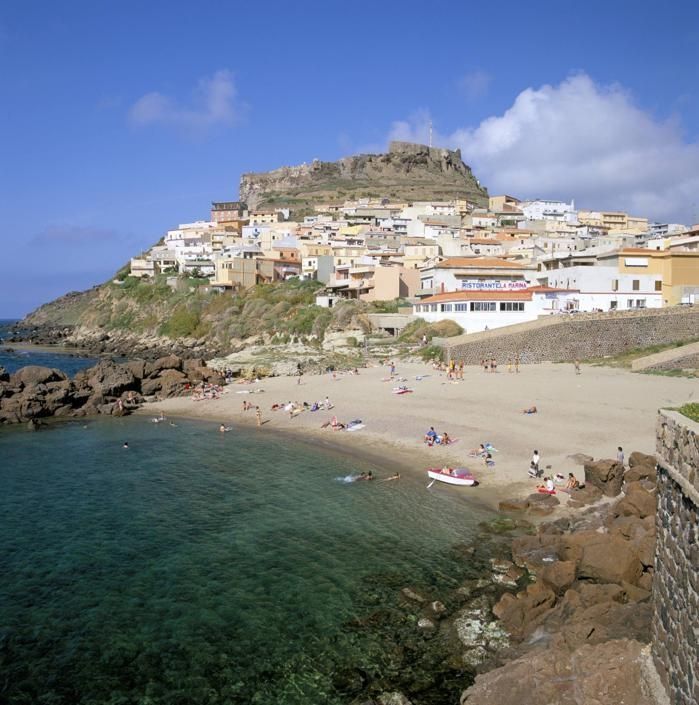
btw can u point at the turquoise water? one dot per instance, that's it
(199, 567)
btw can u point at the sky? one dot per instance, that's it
(119, 120)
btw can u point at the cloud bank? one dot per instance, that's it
(579, 140)
(214, 103)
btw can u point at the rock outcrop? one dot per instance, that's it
(580, 628)
(407, 172)
(33, 393)
(617, 671)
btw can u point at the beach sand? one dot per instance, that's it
(590, 413)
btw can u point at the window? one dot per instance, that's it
(612, 305)
(446, 307)
(512, 306)
(629, 303)
(615, 285)
(635, 284)
(640, 303)
(483, 306)
(659, 285)
(460, 307)
(433, 307)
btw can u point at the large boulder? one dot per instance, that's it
(557, 576)
(169, 362)
(517, 612)
(111, 380)
(534, 552)
(35, 374)
(513, 505)
(641, 466)
(584, 496)
(606, 558)
(614, 672)
(637, 501)
(137, 368)
(606, 475)
(172, 383)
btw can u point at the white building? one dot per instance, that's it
(474, 273)
(478, 310)
(602, 287)
(660, 230)
(549, 210)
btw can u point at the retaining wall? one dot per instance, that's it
(675, 643)
(583, 336)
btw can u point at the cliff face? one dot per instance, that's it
(407, 172)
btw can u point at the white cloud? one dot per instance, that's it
(214, 103)
(475, 84)
(579, 140)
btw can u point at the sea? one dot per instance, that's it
(199, 567)
(12, 357)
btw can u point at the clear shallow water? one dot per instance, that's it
(198, 567)
(14, 358)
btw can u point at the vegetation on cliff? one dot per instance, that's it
(280, 312)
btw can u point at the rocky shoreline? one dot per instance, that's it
(565, 619)
(34, 393)
(95, 343)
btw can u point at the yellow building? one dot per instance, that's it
(679, 271)
(613, 220)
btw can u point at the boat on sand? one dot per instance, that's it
(452, 476)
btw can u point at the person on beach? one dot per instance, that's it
(258, 416)
(461, 370)
(430, 436)
(572, 484)
(533, 470)
(530, 410)
(517, 363)
(445, 439)
(536, 459)
(509, 364)
(620, 455)
(576, 364)
(493, 365)
(222, 428)
(488, 460)
(548, 486)
(126, 445)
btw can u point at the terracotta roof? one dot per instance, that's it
(483, 240)
(477, 263)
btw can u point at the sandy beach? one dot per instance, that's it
(590, 413)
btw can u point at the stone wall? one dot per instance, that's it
(676, 582)
(689, 362)
(582, 336)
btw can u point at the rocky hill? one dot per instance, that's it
(407, 172)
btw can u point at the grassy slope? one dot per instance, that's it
(285, 310)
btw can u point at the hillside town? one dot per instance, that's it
(484, 268)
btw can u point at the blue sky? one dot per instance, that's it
(121, 119)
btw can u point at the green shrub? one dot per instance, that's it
(691, 411)
(182, 323)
